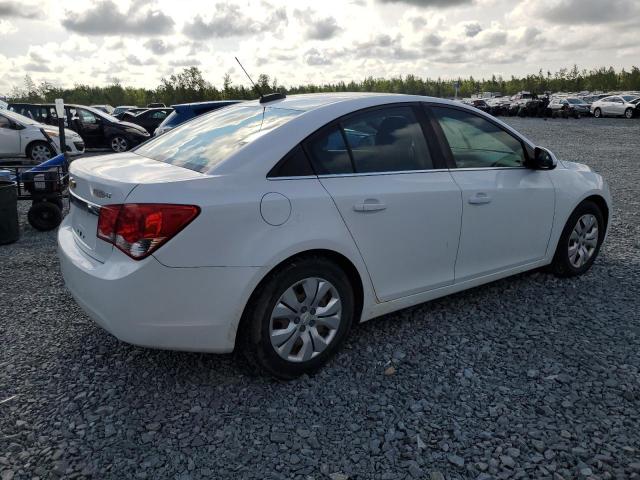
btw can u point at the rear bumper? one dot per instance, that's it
(148, 304)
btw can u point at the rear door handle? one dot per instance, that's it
(479, 198)
(369, 205)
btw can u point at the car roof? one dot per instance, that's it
(202, 104)
(312, 101)
(317, 110)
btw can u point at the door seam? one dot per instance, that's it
(353, 240)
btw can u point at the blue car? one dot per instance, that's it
(186, 111)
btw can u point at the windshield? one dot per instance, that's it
(19, 118)
(628, 98)
(575, 101)
(208, 140)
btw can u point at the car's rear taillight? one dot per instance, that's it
(138, 229)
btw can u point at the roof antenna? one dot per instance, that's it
(263, 98)
(252, 82)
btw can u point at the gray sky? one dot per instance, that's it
(140, 41)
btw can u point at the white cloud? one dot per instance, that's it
(139, 41)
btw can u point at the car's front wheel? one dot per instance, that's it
(628, 113)
(580, 241)
(597, 113)
(40, 152)
(119, 144)
(299, 318)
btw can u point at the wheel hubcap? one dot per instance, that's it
(305, 319)
(583, 240)
(119, 144)
(40, 153)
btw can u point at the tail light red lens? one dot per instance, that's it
(138, 229)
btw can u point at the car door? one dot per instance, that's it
(91, 128)
(395, 196)
(507, 208)
(616, 106)
(9, 137)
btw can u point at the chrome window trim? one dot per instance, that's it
(92, 208)
(399, 172)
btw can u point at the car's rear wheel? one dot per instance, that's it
(597, 113)
(628, 113)
(40, 152)
(119, 144)
(580, 241)
(299, 318)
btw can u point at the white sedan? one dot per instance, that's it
(274, 225)
(22, 136)
(614, 106)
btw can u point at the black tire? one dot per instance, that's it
(254, 338)
(561, 265)
(628, 113)
(597, 113)
(38, 147)
(119, 143)
(44, 216)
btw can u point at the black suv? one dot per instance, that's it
(97, 128)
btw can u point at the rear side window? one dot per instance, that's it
(208, 140)
(387, 140)
(294, 164)
(329, 152)
(476, 142)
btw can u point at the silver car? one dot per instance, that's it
(614, 106)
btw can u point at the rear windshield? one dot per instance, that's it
(207, 140)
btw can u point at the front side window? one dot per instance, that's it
(86, 116)
(208, 140)
(476, 142)
(4, 122)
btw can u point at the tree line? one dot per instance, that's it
(190, 86)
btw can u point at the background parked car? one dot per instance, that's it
(568, 107)
(121, 109)
(186, 111)
(614, 106)
(130, 112)
(636, 111)
(22, 136)
(477, 103)
(99, 129)
(105, 108)
(150, 119)
(156, 105)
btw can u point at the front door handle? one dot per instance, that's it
(479, 198)
(369, 205)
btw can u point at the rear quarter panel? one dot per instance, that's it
(231, 232)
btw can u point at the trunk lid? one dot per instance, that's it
(108, 180)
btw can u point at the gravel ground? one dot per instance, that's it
(529, 377)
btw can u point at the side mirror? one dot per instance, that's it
(543, 159)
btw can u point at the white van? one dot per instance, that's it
(22, 136)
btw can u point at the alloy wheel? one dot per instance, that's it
(40, 153)
(583, 240)
(305, 320)
(119, 144)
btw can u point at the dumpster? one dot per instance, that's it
(9, 229)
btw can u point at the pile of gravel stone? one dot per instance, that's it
(531, 377)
